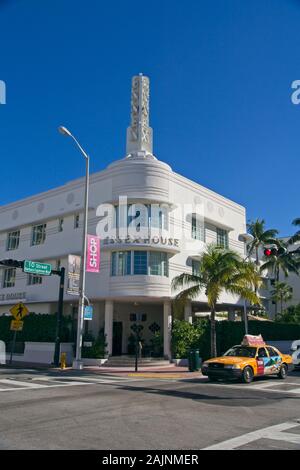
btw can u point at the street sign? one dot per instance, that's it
(16, 325)
(35, 267)
(19, 311)
(88, 312)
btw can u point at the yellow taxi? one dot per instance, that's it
(248, 360)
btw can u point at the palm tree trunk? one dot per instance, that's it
(213, 339)
(257, 259)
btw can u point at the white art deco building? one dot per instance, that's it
(173, 219)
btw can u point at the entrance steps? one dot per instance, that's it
(129, 361)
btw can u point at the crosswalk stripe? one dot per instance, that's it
(261, 387)
(272, 432)
(21, 383)
(51, 382)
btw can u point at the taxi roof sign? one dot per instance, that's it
(251, 340)
(19, 311)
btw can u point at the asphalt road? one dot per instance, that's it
(40, 410)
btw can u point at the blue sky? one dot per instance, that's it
(220, 71)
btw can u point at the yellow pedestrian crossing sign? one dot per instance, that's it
(19, 311)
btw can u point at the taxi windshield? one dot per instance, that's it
(241, 351)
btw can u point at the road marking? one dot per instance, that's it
(260, 387)
(21, 383)
(51, 382)
(272, 432)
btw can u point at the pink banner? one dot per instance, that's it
(93, 254)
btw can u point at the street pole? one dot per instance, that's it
(61, 274)
(13, 346)
(77, 363)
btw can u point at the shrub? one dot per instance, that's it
(197, 336)
(37, 327)
(290, 315)
(98, 349)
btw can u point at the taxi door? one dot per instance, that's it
(274, 363)
(262, 359)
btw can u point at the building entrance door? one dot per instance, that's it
(117, 338)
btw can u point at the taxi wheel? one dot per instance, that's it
(247, 375)
(283, 372)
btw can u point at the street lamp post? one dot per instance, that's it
(77, 363)
(246, 238)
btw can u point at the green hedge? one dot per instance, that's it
(37, 327)
(186, 336)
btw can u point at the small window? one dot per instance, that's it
(222, 238)
(158, 264)
(140, 262)
(272, 352)
(120, 263)
(76, 220)
(60, 225)
(32, 280)
(195, 267)
(9, 277)
(198, 232)
(38, 234)
(262, 352)
(13, 240)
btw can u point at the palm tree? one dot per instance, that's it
(282, 292)
(220, 269)
(295, 238)
(284, 262)
(261, 237)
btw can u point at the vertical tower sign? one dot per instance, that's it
(139, 134)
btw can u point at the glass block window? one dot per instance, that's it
(198, 231)
(140, 262)
(121, 263)
(222, 238)
(9, 277)
(13, 240)
(38, 234)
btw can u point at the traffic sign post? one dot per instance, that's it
(18, 311)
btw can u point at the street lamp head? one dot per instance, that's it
(246, 237)
(63, 130)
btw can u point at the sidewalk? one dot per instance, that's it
(164, 372)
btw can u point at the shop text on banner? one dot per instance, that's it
(93, 254)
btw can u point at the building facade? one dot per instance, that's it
(153, 224)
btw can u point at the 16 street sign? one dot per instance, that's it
(34, 267)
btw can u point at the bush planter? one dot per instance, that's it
(88, 361)
(181, 362)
